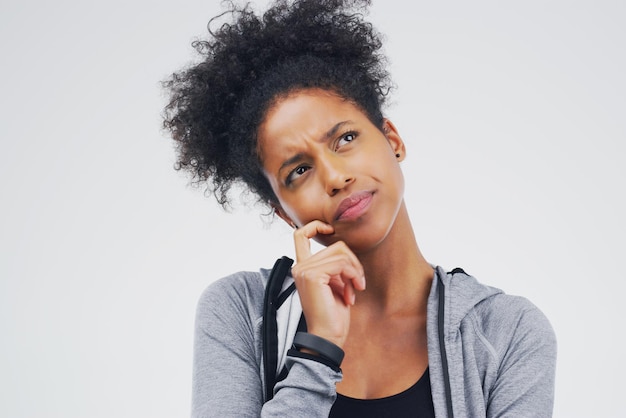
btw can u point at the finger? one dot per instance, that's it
(302, 236)
(349, 295)
(340, 279)
(343, 289)
(341, 248)
(335, 261)
(327, 268)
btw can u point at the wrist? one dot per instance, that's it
(336, 337)
(318, 346)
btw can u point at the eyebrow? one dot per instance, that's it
(329, 134)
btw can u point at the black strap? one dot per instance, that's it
(270, 327)
(321, 346)
(285, 295)
(442, 346)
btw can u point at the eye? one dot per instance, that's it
(345, 139)
(296, 173)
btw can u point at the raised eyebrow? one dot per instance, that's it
(333, 131)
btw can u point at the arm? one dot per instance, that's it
(307, 391)
(525, 383)
(226, 370)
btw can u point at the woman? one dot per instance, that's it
(289, 104)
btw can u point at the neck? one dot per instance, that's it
(398, 278)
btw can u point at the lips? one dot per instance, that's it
(353, 206)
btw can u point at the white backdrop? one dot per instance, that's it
(514, 114)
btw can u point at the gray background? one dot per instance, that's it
(514, 118)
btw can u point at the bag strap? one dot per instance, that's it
(271, 304)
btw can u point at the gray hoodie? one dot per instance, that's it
(495, 357)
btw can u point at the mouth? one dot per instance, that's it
(354, 206)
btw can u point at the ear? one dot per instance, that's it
(282, 215)
(395, 141)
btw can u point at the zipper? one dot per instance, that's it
(442, 345)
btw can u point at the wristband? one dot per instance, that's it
(321, 346)
(293, 352)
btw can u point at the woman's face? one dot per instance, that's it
(326, 161)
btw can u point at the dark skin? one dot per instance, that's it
(338, 181)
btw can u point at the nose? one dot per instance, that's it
(336, 175)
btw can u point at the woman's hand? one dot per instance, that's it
(326, 282)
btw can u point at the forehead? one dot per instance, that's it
(304, 114)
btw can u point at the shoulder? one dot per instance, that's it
(519, 352)
(499, 319)
(491, 306)
(516, 319)
(513, 326)
(237, 285)
(504, 313)
(237, 296)
(505, 343)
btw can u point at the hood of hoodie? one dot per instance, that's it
(462, 293)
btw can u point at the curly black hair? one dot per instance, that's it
(217, 105)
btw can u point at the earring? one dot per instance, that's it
(397, 155)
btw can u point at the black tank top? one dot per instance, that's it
(416, 401)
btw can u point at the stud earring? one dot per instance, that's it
(397, 155)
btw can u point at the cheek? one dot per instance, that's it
(399, 179)
(299, 208)
(388, 169)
